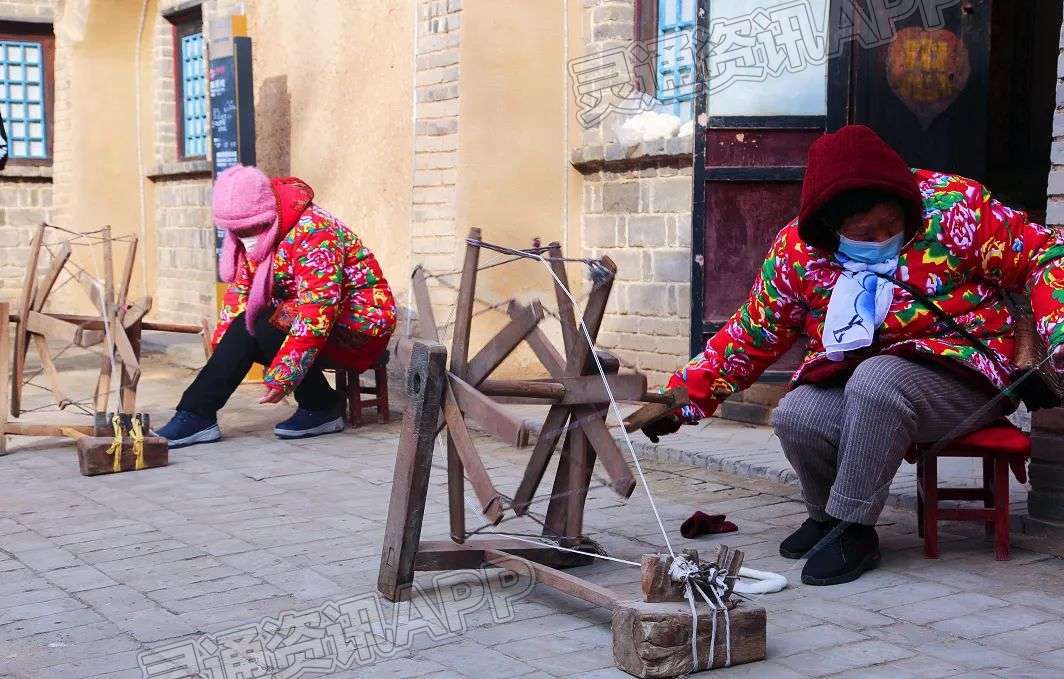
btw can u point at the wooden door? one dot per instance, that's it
(926, 90)
(752, 139)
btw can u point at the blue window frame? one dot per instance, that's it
(676, 55)
(195, 127)
(22, 96)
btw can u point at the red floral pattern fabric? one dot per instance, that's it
(971, 249)
(331, 297)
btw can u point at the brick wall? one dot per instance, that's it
(637, 210)
(26, 196)
(434, 242)
(1045, 502)
(185, 256)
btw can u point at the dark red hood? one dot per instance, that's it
(855, 157)
(294, 196)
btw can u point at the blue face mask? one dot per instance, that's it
(868, 252)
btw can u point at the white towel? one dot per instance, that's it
(858, 305)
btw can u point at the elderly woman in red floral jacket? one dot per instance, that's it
(304, 291)
(897, 277)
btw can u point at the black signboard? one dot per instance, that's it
(232, 109)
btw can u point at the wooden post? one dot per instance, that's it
(406, 509)
(463, 323)
(22, 338)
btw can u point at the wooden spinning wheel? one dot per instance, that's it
(578, 407)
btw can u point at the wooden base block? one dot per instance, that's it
(94, 459)
(654, 639)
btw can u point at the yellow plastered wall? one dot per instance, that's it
(514, 177)
(96, 169)
(333, 98)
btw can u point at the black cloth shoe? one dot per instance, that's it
(798, 543)
(843, 558)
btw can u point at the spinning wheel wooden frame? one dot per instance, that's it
(444, 398)
(114, 332)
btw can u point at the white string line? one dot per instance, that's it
(613, 402)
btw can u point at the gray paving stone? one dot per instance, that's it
(845, 657)
(845, 615)
(916, 667)
(59, 620)
(475, 659)
(969, 654)
(810, 638)
(1042, 638)
(153, 625)
(38, 609)
(79, 578)
(898, 595)
(116, 601)
(996, 621)
(949, 606)
(48, 559)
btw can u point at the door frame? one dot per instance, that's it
(835, 117)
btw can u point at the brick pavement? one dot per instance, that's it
(95, 571)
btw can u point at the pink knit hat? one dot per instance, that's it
(243, 199)
(244, 204)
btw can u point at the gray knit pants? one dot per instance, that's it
(847, 442)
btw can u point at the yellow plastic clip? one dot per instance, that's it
(116, 444)
(137, 432)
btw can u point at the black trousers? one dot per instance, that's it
(231, 360)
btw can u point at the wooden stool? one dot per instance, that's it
(351, 390)
(1001, 446)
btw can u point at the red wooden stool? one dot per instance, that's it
(1002, 446)
(351, 390)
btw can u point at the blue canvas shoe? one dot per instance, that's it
(187, 429)
(306, 423)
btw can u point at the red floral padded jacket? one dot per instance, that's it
(330, 294)
(970, 250)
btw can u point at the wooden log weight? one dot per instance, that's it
(94, 451)
(658, 585)
(654, 639)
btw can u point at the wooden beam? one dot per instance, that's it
(44, 287)
(591, 423)
(581, 361)
(50, 371)
(581, 390)
(413, 464)
(523, 321)
(493, 418)
(459, 366)
(426, 319)
(52, 328)
(22, 338)
(29, 429)
(549, 434)
(566, 583)
(490, 499)
(91, 290)
(444, 555)
(566, 312)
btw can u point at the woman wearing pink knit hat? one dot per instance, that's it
(303, 292)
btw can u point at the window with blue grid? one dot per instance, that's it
(675, 55)
(195, 126)
(22, 89)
